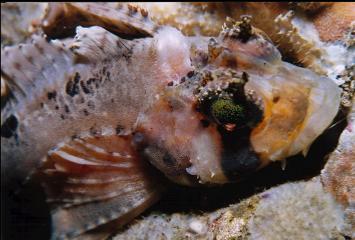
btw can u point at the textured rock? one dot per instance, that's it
(296, 211)
(338, 176)
(301, 210)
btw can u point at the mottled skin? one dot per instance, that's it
(97, 107)
(106, 78)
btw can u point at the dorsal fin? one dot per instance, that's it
(95, 180)
(97, 43)
(39, 63)
(42, 64)
(125, 20)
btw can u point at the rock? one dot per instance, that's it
(338, 174)
(301, 210)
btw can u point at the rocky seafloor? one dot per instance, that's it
(312, 198)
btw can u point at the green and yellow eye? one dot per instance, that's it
(227, 111)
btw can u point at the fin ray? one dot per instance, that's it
(115, 193)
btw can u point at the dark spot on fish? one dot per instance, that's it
(101, 47)
(86, 113)
(72, 87)
(56, 107)
(52, 95)
(90, 81)
(41, 104)
(170, 83)
(85, 88)
(40, 49)
(276, 99)
(127, 56)
(169, 160)
(62, 116)
(95, 81)
(203, 82)
(74, 137)
(119, 129)
(9, 127)
(190, 74)
(205, 123)
(30, 59)
(108, 76)
(76, 77)
(112, 100)
(66, 109)
(17, 65)
(183, 79)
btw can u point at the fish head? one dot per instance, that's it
(240, 108)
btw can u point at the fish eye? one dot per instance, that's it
(226, 111)
(225, 102)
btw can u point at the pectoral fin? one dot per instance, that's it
(97, 182)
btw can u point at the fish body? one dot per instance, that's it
(93, 114)
(105, 95)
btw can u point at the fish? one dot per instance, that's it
(106, 106)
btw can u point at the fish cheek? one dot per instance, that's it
(159, 139)
(173, 168)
